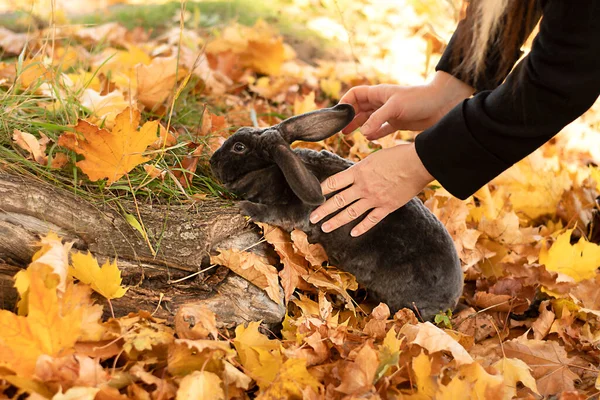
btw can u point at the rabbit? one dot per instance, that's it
(407, 260)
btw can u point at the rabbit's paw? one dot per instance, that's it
(256, 211)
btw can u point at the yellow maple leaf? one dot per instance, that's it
(426, 384)
(573, 263)
(289, 382)
(105, 280)
(258, 47)
(51, 263)
(305, 105)
(534, 185)
(263, 361)
(514, 371)
(113, 154)
(52, 326)
(595, 174)
(201, 385)
(253, 268)
(472, 382)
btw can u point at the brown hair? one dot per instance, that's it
(489, 25)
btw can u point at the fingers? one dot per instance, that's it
(349, 214)
(358, 120)
(372, 219)
(335, 203)
(377, 119)
(385, 130)
(338, 181)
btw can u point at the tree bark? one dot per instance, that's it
(180, 241)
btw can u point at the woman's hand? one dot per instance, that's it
(382, 182)
(384, 109)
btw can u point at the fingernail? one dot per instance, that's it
(314, 218)
(326, 227)
(354, 233)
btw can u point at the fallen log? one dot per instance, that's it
(180, 240)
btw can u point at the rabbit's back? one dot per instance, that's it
(407, 258)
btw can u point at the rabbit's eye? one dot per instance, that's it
(239, 147)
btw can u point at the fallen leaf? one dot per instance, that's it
(514, 371)
(258, 47)
(433, 339)
(572, 263)
(113, 154)
(156, 81)
(35, 147)
(200, 385)
(548, 361)
(195, 321)
(104, 108)
(253, 268)
(314, 253)
(105, 280)
(358, 376)
(294, 265)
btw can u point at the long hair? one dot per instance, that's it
(493, 24)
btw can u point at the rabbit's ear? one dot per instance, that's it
(304, 184)
(316, 125)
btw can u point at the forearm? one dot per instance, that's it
(558, 81)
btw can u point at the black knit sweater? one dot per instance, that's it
(504, 122)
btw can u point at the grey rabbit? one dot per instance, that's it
(407, 260)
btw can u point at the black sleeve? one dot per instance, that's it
(555, 84)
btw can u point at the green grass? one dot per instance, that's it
(24, 109)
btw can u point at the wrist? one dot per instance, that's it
(449, 90)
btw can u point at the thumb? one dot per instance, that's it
(377, 119)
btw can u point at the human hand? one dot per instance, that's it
(384, 109)
(382, 182)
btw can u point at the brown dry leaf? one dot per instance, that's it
(195, 321)
(333, 281)
(453, 214)
(72, 370)
(294, 265)
(35, 147)
(314, 253)
(434, 339)
(541, 326)
(358, 376)
(12, 43)
(157, 80)
(253, 268)
(548, 361)
(111, 155)
(111, 32)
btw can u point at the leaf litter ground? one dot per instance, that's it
(120, 112)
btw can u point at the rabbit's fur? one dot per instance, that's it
(407, 260)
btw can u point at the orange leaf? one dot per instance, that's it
(253, 268)
(113, 154)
